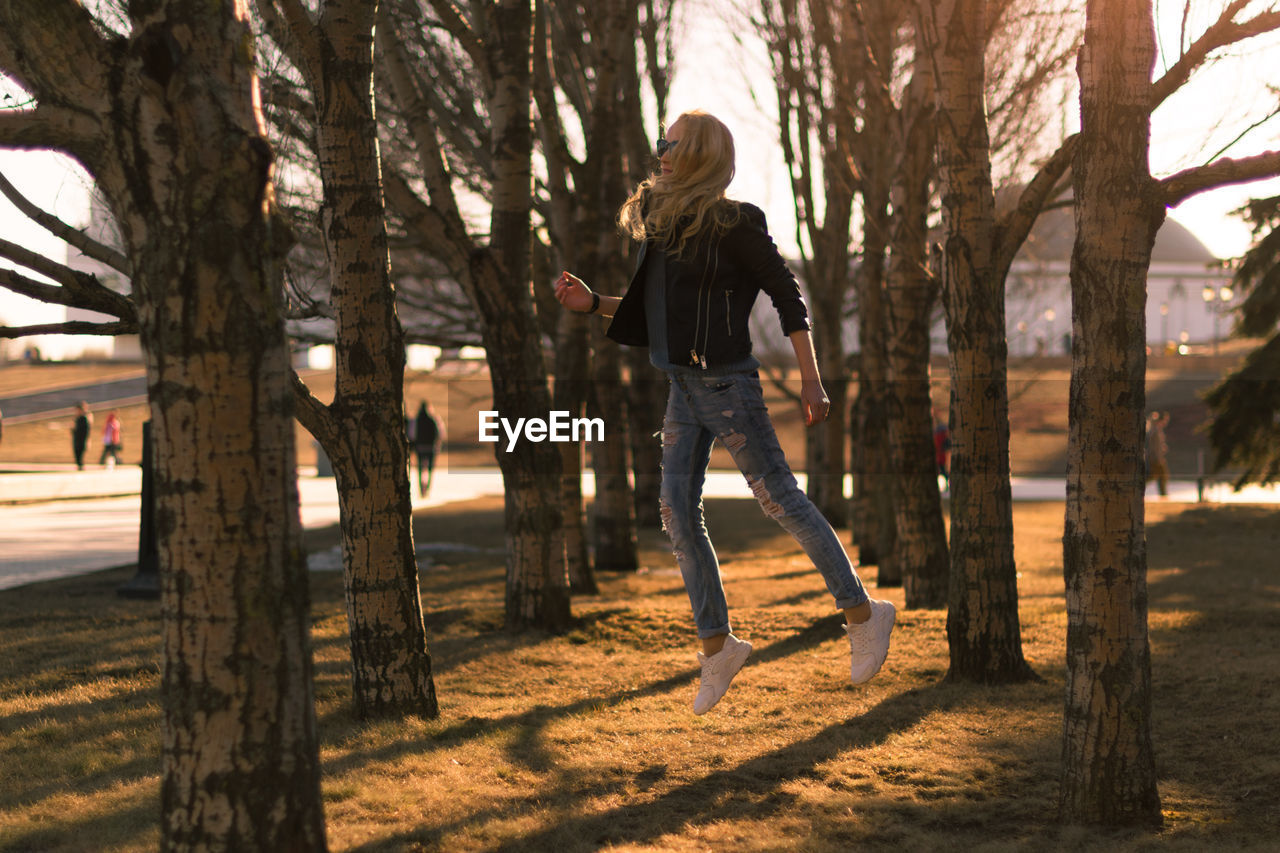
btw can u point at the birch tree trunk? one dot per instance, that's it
(825, 443)
(572, 365)
(982, 613)
(583, 227)
(875, 486)
(362, 431)
(537, 582)
(875, 34)
(921, 546)
(646, 401)
(613, 518)
(816, 77)
(166, 118)
(1108, 772)
(613, 26)
(647, 387)
(498, 40)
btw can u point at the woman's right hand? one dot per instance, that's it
(573, 293)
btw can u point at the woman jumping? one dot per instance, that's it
(703, 259)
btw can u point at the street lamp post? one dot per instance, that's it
(1222, 295)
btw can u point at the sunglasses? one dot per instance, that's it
(664, 146)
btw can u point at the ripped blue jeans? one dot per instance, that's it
(731, 408)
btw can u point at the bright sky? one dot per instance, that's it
(50, 181)
(717, 73)
(1204, 117)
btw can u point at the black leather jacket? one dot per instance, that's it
(709, 295)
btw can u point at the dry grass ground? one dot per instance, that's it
(586, 741)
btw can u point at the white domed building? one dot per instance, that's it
(1189, 296)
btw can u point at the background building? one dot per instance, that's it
(1189, 296)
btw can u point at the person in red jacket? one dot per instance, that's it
(112, 441)
(703, 260)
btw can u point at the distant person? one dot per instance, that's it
(942, 449)
(80, 433)
(703, 260)
(426, 441)
(112, 442)
(1158, 451)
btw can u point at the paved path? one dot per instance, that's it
(59, 401)
(58, 522)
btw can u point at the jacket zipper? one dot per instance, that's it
(705, 327)
(728, 317)
(703, 286)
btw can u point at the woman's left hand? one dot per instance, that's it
(573, 292)
(814, 404)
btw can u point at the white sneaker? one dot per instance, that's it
(869, 641)
(717, 671)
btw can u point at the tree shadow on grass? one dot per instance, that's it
(530, 723)
(1215, 555)
(1214, 588)
(751, 791)
(117, 827)
(800, 598)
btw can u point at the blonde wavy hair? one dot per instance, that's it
(677, 209)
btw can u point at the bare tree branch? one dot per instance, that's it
(431, 159)
(55, 226)
(1243, 133)
(434, 88)
(455, 22)
(1223, 32)
(75, 66)
(70, 327)
(1012, 228)
(32, 289)
(879, 79)
(48, 127)
(78, 289)
(1183, 185)
(287, 95)
(443, 235)
(36, 262)
(555, 149)
(314, 416)
(659, 48)
(290, 26)
(570, 71)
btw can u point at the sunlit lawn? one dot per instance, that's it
(587, 741)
